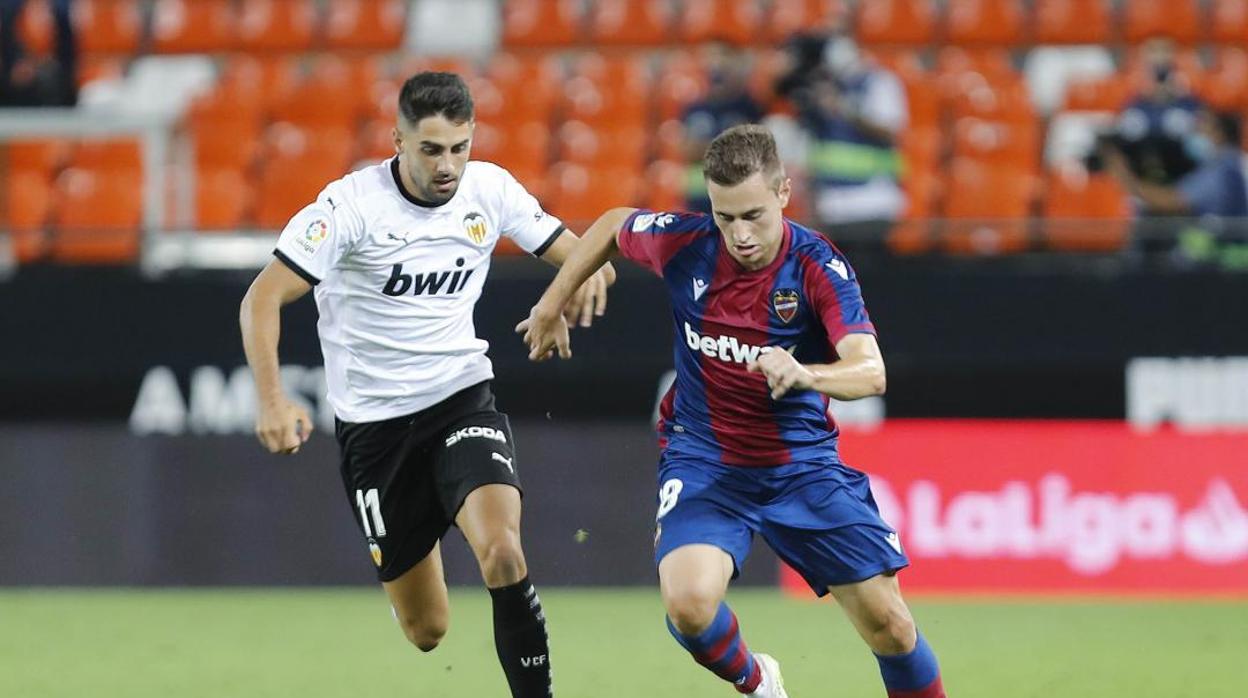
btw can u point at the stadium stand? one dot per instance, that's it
(582, 100)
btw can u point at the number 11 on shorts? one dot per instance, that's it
(369, 503)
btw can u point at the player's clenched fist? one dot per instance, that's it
(283, 426)
(782, 371)
(544, 332)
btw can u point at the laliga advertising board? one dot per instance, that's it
(1059, 507)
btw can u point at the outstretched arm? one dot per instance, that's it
(281, 425)
(590, 299)
(545, 330)
(857, 374)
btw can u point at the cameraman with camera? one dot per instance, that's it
(853, 111)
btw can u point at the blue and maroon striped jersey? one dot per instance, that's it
(805, 301)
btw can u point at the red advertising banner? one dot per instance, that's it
(1059, 507)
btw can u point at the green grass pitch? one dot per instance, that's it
(605, 644)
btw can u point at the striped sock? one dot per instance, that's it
(721, 649)
(912, 675)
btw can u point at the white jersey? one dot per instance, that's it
(396, 282)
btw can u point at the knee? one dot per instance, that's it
(692, 609)
(892, 631)
(425, 632)
(502, 560)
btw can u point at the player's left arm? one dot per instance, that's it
(858, 373)
(590, 299)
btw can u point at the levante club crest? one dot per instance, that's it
(474, 225)
(785, 302)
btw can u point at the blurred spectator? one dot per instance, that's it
(1153, 128)
(26, 82)
(1216, 189)
(727, 103)
(853, 111)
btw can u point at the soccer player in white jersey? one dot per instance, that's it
(398, 254)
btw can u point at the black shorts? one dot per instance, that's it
(407, 477)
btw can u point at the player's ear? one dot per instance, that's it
(398, 140)
(784, 191)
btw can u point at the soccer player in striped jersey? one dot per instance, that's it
(769, 323)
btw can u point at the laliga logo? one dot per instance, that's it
(1090, 531)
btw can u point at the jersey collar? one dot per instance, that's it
(398, 183)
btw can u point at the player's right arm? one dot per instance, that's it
(545, 330)
(281, 425)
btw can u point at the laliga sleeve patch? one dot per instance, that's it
(314, 235)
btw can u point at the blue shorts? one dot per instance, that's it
(819, 517)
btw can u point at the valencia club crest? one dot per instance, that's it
(785, 302)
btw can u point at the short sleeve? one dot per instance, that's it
(523, 220)
(652, 238)
(834, 294)
(317, 238)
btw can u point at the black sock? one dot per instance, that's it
(520, 638)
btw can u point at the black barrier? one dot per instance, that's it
(1013, 338)
(85, 505)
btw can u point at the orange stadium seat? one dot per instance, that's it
(108, 26)
(665, 186)
(376, 140)
(523, 147)
(1072, 22)
(1085, 213)
(319, 101)
(791, 16)
(97, 217)
(622, 147)
(599, 104)
(531, 85)
(298, 163)
(1178, 19)
(766, 68)
(669, 141)
(103, 26)
(110, 155)
(193, 26)
(905, 62)
(578, 194)
(27, 201)
(912, 234)
(1228, 21)
(38, 156)
(222, 200)
(224, 144)
(987, 207)
(995, 65)
(684, 81)
(996, 143)
(278, 25)
(920, 147)
(985, 22)
(924, 102)
(1226, 85)
(542, 22)
(365, 24)
(632, 22)
(725, 20)
(911, 22)
(1009, 103)
(1109, 93)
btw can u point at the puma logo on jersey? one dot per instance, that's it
(838, 266)
(429, 284)
(477, 433)
(699, 288)
(723, 347)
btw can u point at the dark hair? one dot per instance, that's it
(739, 152)
(430, 94)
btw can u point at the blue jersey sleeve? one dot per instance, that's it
(834, 294)
(652, 238)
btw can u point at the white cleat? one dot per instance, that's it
(772, 685)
